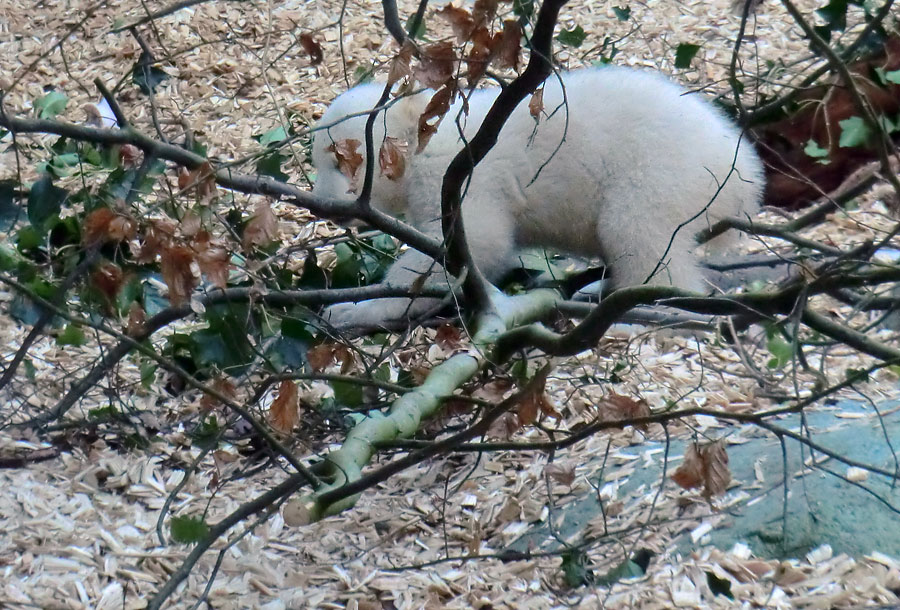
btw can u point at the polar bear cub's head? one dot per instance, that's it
(345, 120)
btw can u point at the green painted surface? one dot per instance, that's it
(821, 508)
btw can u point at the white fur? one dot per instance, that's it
(638, 157)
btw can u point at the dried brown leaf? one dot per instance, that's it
(483, 12)
(262, 229)
(190, 224)
(121, 228)
(718, 475)
(348, 159)
(202, 177)
(448, 337)
(320, 357)
(136, 318)
(95, 228)
(705, 466)
(617, 408)
(460, 21)
(480, 54)
(400, 65)
(156, 239)
(690, 473)
(561, 473)
(284, 412)
(108, 279)
(129, 155)
(437, 107)
(420, 373)
(504, 426)
(437, 65)
(536, 104)
(175, 266)
(533, 399)
(324, 355)
(426, 132)
(392, 158)
(104, 225)
(312, 48)
(508, 48)
(212, 258)
(224, 386)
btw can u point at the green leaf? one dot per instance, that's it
(313, 276)
(781, 351)
(623, 13)
(421, 30)
(892, 77)
(10, 211)
(30, 371)
(188, 530)
(51, 105)
(523, 9)
(106, 413)
(856, 375)
(575, 572)
(273, 136)
(347, 394)
(572, 38)
(24, 310)
(270, 165)
(296, 328)
(148, 373)
(815, 151)
(44, 201)
(854, 132)
(684, 54)
(834, 14)
(8, 258)
(887, 124)
(206, 434)
(71, 335)
(626, 569)
(363, 74)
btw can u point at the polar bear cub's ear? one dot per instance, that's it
(394, 137)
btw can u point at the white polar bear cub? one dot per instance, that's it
(627, 167)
